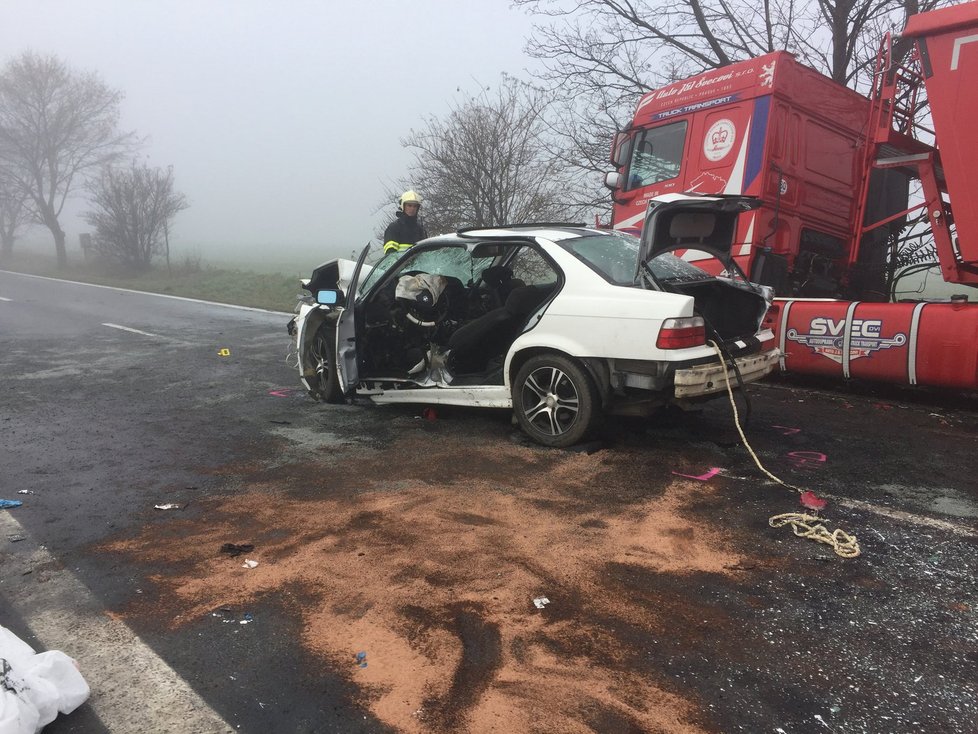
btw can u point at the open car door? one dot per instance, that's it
(346, 333)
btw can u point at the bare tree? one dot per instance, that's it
(132, 211)
(630, 46)
(488, 162)
(56, 126)
(599, 56)
(14, 215)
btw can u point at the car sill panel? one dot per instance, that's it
(480, 397)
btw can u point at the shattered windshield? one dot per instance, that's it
(453, 261)
(615, 258)
(377, 269)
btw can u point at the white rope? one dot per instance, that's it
(804, 526)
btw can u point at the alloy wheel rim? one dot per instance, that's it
(319, 356)
(550, 400)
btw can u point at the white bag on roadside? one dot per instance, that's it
(34, 688)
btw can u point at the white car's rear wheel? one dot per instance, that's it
(555, 400)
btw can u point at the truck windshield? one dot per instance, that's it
(657, 155)
(615, 258)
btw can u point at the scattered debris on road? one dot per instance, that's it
(812, 501)
(169, 506)
(7, 504)
(236, 549)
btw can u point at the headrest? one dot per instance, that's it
(496, 275)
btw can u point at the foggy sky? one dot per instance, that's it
(282, 118)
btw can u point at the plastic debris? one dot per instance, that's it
(429, 414)
(7, 504)
(225, 352)
(540, 602)
(812, 501)
(169, 506)
(236, 549)
(34, 688)
(16, 538)
(249, 563)
(25, 491)
(362, 659)
(225, 614)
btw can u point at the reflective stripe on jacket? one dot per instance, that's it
(392, 246)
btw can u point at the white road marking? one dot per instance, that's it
(150, 293)
(132, 688)
(4, 299)
(909, 517)
(134, 331)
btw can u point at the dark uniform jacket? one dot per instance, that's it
(403, 232)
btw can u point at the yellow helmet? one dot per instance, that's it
(410, 197)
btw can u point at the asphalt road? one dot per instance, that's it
(673, 605)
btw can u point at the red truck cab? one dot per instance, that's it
(768, 127)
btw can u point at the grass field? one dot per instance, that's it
(275, 291)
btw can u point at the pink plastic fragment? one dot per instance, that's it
(812, 501)
(702, 477)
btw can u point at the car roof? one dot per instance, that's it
(553, 232)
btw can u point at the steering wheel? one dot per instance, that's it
(427, 316)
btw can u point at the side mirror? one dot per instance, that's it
(612, 180)
(621, 149)
(330, 297)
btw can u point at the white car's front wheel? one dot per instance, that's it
(555, 400)
(326, 382)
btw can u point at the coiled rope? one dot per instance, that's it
(803, 525)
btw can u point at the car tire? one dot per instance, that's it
(326, 382)
(555, 400)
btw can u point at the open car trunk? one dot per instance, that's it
(731, 307)
(729, 311)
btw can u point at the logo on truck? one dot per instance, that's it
(826, 337)
(719, 139)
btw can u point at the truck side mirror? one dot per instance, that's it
(621, 149)
(612, 180)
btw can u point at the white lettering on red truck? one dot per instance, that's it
(827, 337)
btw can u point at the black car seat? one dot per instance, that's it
(500, 282)
(490, 335)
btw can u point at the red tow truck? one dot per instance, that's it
(852, 187)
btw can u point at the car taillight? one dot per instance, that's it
(681, 333)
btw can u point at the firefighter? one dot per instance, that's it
(407, 227)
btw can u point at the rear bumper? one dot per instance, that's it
(706, 379)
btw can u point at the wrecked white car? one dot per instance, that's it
(563, 324)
